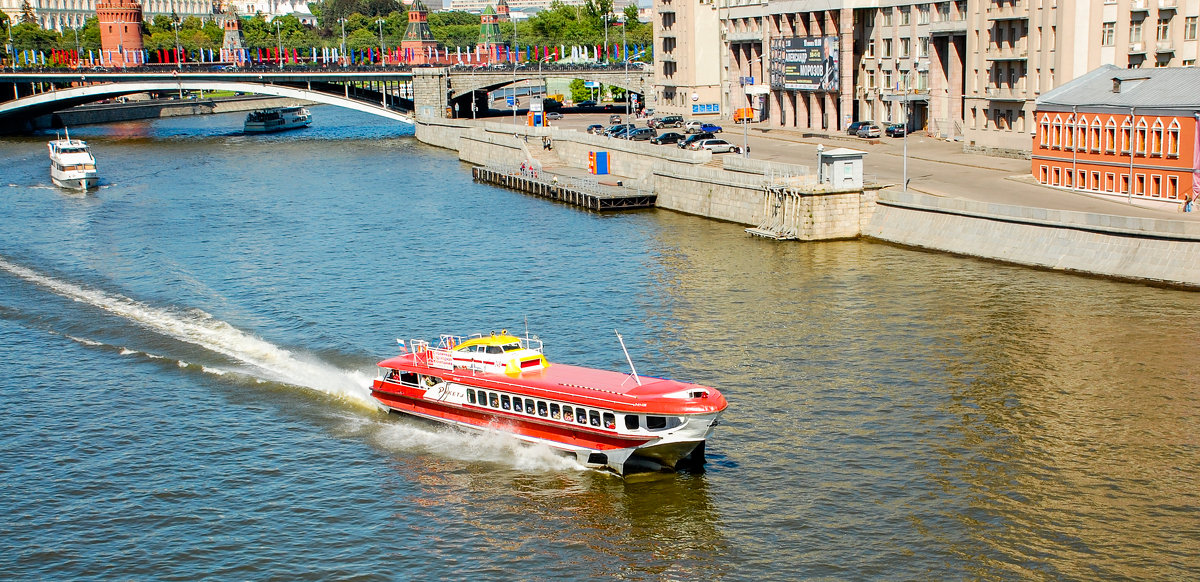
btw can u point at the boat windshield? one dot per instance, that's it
(511, 347)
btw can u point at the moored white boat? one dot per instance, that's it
(622, 422)
(277, 119)
(72, 164)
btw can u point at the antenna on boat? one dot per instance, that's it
(526, 327)
(627, 358)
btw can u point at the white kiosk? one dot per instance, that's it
(841, 168)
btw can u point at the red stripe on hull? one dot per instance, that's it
(510, 423)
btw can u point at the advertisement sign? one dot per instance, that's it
(805, 63)
(441, 359)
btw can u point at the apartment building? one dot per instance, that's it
(688, 59)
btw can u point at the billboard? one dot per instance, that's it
(805, 63)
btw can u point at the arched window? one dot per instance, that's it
(1056, 142)
(1127, 135)
(1173, 139)
(1110, 136)
(1141, 136)
(1156, 138)
(1096, 147)
(1081, 126)
(1068, 142)
(1045, 131)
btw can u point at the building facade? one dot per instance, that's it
(687, 59)
(1124, 132)
(63, 15)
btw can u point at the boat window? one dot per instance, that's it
(631, 422)
(541, 408)
(610, 421)
(554, 412)
(595, 418)
(494, 399)
(470, 396)
(409, 378)
(529, 406)
(504, 403)
(656, 422)
(510, 347)
(517, 405)
(494, 350)
(568, 415)
(580, 416)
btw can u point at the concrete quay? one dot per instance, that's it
(957, 202)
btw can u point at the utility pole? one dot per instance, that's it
(279, 41)
(382, 50)
(342, 55)
(175, 23)
(514, 83)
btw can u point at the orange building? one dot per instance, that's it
(1126, 132)
(120, 24)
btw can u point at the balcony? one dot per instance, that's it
(747, 36)
(995, 53)
(1136, 6)
(1004, 94)
(1164, 47)
(1008, 12)
(1137, 48)
(948, 28)
(1167, 5)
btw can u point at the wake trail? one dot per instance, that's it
(201, 329)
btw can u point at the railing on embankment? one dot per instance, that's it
(586, 193)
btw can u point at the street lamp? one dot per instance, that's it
(9, 47)
(514, 83)
(342, 54)
(175, 23)
(279, 43)
(76, 46)
(382, 49)
(628, 101)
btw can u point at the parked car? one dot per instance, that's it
(586, 103)
(668, 137)
(711, 128)
(620, 128)
(551, 104)
(641, 134)
(614, 118)
(869, 130)
(553, 115)
(667, 121)
(692, 127)
(853, 128)
(716, 146)
(693, 138)
(595, 128)
(895, 130)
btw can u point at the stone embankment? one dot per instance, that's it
(787, 202)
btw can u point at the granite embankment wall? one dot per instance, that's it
(153, 109)
(736, 190)
(1155, 250)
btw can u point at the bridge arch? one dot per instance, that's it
(50, 101)
(463, 84)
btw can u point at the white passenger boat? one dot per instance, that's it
(277, 119)
(72, 164)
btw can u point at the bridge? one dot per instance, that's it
(399, 94)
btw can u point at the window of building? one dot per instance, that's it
(887, 80)
(1126, 135)
(887, 16)
(1069, 179)
(1173, 187)
(1139, 185)
(1108, 33)
(870, 48)
(1173, 139)
(1135, 32)
(1056, 133)
(1156, 185)
(905, 15)
(1044, 174)
(1056, 179)
(923, 14)
(1068, 142)
(887, 48)
(1189, 28)
(1095, 137)
(1156, 138)
(870, 80)
(1110, 181)
(923, 47)
(1044, 137)
(1110, 136)
(1140, 137)
(1095, 185)
(905, 48)
(1164, 29)
(1187, 63)
(943, 9)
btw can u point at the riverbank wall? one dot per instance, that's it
(156, 108)
(786, 202)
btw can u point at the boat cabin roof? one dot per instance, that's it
(507, 343)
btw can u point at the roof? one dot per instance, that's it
(1112, 86)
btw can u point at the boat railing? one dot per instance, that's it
(531, 343)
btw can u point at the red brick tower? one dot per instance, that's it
(418, 40)
(120, 32)
(502, 11)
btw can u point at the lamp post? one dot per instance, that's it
(76, 46)
(514, 83)
(279, 44)
(9, 47)
(382, 49)
(342, 54)
(628, 101)
(175, 23)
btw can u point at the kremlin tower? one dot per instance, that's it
(418, 40)
(120, 24)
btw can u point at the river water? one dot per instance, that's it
(187, 350)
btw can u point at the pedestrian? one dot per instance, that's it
(1188, 201)
(545, 142)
